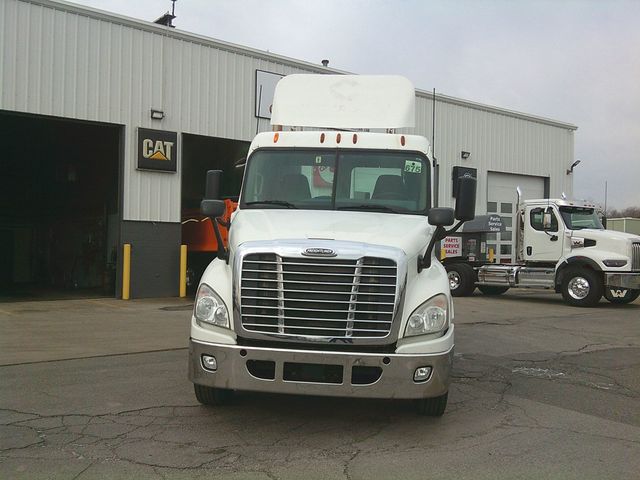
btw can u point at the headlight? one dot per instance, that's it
(615, 263)
(210, 308)
(430, 317)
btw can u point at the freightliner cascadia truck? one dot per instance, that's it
(329, 284)
(560, 245)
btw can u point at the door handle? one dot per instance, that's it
(554, 238)
(529, 250)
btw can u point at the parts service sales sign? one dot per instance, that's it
(452, 246)
(157, 150)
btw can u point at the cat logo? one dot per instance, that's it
(618, 293)
(157, 150)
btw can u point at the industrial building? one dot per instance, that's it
(88, 98)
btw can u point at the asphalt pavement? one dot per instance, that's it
(97, 388)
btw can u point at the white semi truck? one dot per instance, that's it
(329, 285)
(559, 245)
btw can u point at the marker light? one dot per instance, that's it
(322, 138)
(422, 374)
(338, 138)
(210, 363)
(402, 140)
(276, 136)
(355, 138)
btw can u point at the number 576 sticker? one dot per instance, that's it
(411, 166)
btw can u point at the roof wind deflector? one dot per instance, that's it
(344, 101)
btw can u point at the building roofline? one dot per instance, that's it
(493, 109)
(292, 62)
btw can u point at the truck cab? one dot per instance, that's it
(329, 285)
(561, 245)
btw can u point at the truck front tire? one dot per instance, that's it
(432, 407)
(581, 287)
(462, 279)
(212, 396)
(620, 296)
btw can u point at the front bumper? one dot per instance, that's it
(623, 280)
(395, 379)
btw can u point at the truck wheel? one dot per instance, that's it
(620, 296)
(492, 289)
(212, 396)
(432, 407)
(462, 279)
(581, 287)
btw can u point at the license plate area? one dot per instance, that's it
(312, 373)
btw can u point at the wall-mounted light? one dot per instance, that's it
(464, 155)
(157, 114)
(573, 165)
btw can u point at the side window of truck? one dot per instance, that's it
(537, 218)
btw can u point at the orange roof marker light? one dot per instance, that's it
(276, 136)
(322, 138)
(338, 138)
(402, 140)
(355, 138)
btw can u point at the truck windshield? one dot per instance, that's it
(577, 218)
(392, 182)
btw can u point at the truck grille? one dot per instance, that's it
(317, 297)
(635, 256)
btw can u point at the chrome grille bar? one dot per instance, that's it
(635, 256)
(318, 298)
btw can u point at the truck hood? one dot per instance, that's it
(605, 235)
(607, 240)
(411, 233)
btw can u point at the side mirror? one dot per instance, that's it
(547, 219)
(212, 187)
(212, 208)
(441, 217)
(466, 199)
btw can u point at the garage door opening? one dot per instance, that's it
(58, 207)
(199, 154)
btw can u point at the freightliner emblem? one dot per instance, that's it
(319, 252)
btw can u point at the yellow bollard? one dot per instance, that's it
(491, 255)
(126, 271)
(183, 271)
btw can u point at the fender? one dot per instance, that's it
(577, 260)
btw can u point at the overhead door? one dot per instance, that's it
(501, 199)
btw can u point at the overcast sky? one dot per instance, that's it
(573, 61)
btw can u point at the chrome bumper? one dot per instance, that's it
(395, 381)
(623, 280)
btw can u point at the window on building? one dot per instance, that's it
(492, 207)
(506, 208)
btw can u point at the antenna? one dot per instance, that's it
(436, 167)
(433, 127)
(167, 18)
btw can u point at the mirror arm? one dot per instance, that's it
(222, 253)
(454, 229)
(424, 261)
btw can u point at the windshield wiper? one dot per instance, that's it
(282, 203)
(370, 206)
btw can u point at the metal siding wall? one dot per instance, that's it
(68, 64)
(497, 142)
